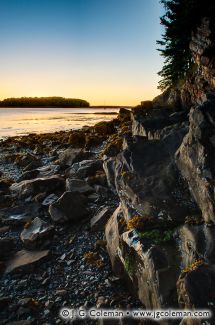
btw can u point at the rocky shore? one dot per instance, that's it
(118, 215)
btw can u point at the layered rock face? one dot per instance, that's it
(195, 157)
(161, 237)
(201, 80)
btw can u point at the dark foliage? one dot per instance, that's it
(181, 19)
(43, 102)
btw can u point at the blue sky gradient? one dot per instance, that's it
(100, 50)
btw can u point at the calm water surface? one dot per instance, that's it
(22, 121)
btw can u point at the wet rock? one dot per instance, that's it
(196, 155)
(51, 198)
(78, 185)
(71, 206)
(17, 219)
(70, 156)
(85, 168)
(23, 260)
(99, 221)
(46, 171)
(36, 233)
(38, 185)
(7, 246)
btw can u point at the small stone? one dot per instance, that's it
(61, 292)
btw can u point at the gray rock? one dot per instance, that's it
(155, 123)
(147, 180)
(85, 168)
(195, 158)
(78, 185)
(71, 206)
(73, 155)
(196, 242)
(51, 198)
(99, 221)
(36, 233)
(23, 260)
(49, 170)
(38, 185)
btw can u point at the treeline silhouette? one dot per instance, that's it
(43, 102)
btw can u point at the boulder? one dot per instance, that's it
(195, 158)
(154, 123)
(148, 182)
(38, 185)
(36, 233)
(71, 206)
(72, 155)
(99, 221)
(85, 168)
(113, 230)
(24, 260)
(78, 185)
(148, 269)
(68, 156)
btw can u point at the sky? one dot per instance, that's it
(103, 51)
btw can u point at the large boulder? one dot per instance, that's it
(149, 270)
(155, 123)
(196, 155)
(148, 182)
(38, 185)
(71, 206)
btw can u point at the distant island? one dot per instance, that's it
(43, 102)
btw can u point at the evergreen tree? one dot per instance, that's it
(180, 20)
